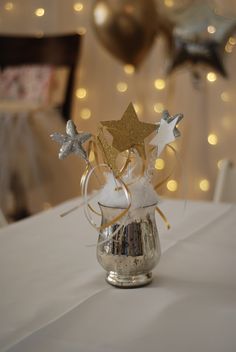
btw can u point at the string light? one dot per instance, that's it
(169, 3)
(212, 139)
(81, 93)
(129, 69)
(122, 87)
(39, 12)
(81, 30)
(211, 77)
(225, 97)
(78, 7)
(211, 29)
(172, 185)
(158, 107)
(85, 114)
(228, 48)
(230, 44)
(159, 164)
(101, 13)
(8, 6)
(159, 84)
(204, 185)
(232, 40)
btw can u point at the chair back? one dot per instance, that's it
(62, 50)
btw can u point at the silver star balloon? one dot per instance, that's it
(71, 141)
(199, 36)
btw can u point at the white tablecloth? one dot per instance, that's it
(53, 296)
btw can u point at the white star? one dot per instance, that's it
(165, 135)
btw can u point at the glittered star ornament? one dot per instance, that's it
(72, 141)
(199, 37)
(166, 131)
(109, 152)
(129, 132)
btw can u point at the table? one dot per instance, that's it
(54, 297)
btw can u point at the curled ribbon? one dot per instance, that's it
(87, 207)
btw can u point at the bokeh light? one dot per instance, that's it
(172, 185)
(212, 139)
(204, 185)
(85, 114)
(159, 164)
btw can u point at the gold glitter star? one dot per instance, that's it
(109, 152)
(129, 132)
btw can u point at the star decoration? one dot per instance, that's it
(129, 132)
(109, 152)
(168, 118)
(199, 36)
(71, 141)
(166, 131)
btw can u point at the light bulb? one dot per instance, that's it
(211, 29)
(122, 87)
(159, 84)
(159, 164)
(8, 6)
(158, 107)
(204, 185)
(172, 185)
(212, 139)
(211, 77)
(85, 114)
(78, 6)
(129, 69)
(39, 12)
(81, 93)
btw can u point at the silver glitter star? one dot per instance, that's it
(71, 141)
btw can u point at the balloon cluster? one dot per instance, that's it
(195, 33)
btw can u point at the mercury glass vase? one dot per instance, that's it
(131, 254)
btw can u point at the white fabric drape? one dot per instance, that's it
(54, 296)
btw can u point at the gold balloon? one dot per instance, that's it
(126, 28)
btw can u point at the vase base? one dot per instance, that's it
(128, 281)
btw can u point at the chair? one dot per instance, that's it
(225, 189)
(57, 51)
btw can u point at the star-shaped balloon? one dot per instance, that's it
(72, 141)
(129, 132)
(166, 131)
(199, 36)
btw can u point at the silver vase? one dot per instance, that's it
(133, 251)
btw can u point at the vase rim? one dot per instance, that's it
(122, 208)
